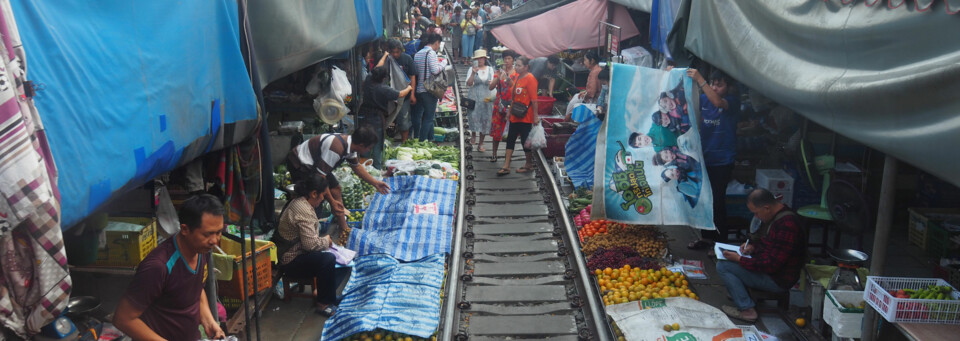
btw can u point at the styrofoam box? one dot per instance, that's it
(777, 182)
(845, 322)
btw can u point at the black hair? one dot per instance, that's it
(509, 53)
(658, 161)
(592, 55)
(313, 182)
(604, 74)
(761, 197)
(525, 60)
(429, 38)
(394, 44)
(553, 60)
(378, 74)
(720, 75)
(191, 213)
(633, 137)
(364, 135)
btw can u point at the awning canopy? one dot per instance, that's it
(529, 9)
(291, 35)
(887, 78)
(571, 25)
(130, 91)
(640, 5)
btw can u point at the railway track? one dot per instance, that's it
(515, 269)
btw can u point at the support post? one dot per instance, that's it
(882, 237)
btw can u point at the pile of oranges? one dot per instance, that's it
(628, 284)
(596, 227)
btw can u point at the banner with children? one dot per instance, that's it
(648, 153)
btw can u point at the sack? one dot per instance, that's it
(537, 138)
(518, 110)
(467, 103)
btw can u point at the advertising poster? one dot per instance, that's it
(649, 154)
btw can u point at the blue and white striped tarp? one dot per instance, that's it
(582, 147)
(413, 221)
(387, 294)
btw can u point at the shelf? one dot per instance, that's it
(108, 270)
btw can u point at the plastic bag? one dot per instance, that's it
(340, 84)
(537, 138)
(574, 102)
(345, 177)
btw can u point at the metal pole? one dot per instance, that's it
(879, 256)
(211, 288)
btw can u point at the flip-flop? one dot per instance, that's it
(481, 149)
(736, 313)
(524, 170)
(503, 171)
(327, 311)
(698, 244)
(493, 159)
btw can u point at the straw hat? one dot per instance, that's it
(481, 53)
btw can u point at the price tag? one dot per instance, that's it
(430, 208)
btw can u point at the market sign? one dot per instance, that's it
(649, 154)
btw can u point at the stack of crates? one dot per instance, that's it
(931, 229)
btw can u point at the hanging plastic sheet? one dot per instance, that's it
(387, 294)
(413, 221)
(648, 168)
(581, 148)
(132, 90)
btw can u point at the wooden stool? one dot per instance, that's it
(297, 290)
(782, 298)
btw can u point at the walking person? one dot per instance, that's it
(428, 66)
(470, 27)
(456, 32)
(524, 93)
(502, 82)
(479, 79)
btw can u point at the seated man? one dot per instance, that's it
(775, 260)
(166, 300)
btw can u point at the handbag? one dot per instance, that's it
(467, 103)
(436, 86)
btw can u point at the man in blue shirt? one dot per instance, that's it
(719, 112)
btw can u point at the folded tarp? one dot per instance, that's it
(291, 35)
(573, 25)
(129, 90)
(387, 294)
(884, 77)
(413, 221)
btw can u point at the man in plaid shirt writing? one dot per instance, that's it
(775, 258)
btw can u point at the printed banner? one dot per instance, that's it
(648, 152)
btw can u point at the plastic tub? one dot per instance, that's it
(545, 105)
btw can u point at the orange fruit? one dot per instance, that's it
(800, 322)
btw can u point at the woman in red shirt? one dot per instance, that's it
(503, 82)
(524, 92)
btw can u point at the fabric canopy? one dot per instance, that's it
(884, 77)
(529, 9)
(291, 35)
(574, 25)
(640, 5)
(131, 90)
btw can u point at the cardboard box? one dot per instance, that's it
(128, 241)
(777, 182)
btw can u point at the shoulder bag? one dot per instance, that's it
(436, 85)
(518, 110)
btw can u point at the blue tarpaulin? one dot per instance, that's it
(413, 221)
(387, 294)
(129, 90)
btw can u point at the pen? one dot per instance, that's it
(745, 245)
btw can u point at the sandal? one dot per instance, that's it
(699, 244)
(481, 149)
(524, 170)
(327, 311)
(737, 314)
(503, 171)
(493, 159)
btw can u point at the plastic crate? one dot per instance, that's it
(906, 310)
(127, 245)
(556, 145)
(939, 240)
(922, 218)
(947, 273)
(846, 322)
(234, 287)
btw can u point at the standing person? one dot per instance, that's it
(428, 66)
(395, 52)
(325, 153)
(775, 258)
(545, 70)
(481, 15)
(375, 107)
(479, 79)
(301, 247)
(524, 92)
(470, 27)
(502, 81)
(456, 32)
(719, 112)
(166, 299)
(592, 61)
